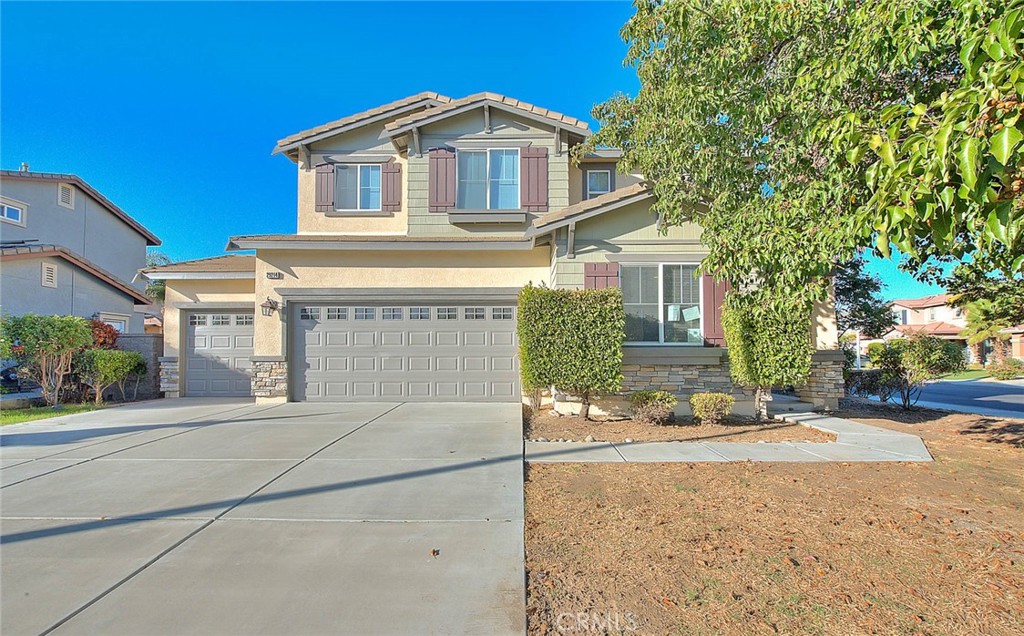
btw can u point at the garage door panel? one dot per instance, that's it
(218, 359)
(389, 352)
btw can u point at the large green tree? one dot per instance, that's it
(859, 302)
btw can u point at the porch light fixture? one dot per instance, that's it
(269, 306)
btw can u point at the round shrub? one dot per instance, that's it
(711, 408)
(1007, 369)
(653, 407)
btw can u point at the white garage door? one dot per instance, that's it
(409, 352)
(217, 362)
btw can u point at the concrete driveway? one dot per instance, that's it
(221, 517)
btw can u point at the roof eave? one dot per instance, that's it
(426, 121)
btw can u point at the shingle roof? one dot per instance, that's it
(935, 300)
(15, 252)
(363, 238)
(557, 119)
(151, 238)
(228, 263)
(636, 190)
(358, 117)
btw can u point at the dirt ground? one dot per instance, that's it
(899, 548)
(573, 428)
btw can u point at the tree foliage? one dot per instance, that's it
(859, 303)
(907, 364)
(769, 342)
(572, 340)
(44, 347)
(156, 289)
(104, 336)
(971, 283)
(103, 368)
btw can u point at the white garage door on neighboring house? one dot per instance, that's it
(405, 351)
(217, 363)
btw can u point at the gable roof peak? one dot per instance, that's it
(456, 106)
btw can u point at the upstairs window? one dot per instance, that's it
(487, 179)
(357, 187)
(598, 182)
(12, 213)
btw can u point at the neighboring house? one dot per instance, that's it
(418, 223)
(67, 249)
(153, 324)
(1016, 341)
(934, 316)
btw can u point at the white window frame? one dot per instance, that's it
(71, 188)
(109, 317)
(487, 179)
(661, 307)
(586, 181)
(42, 274)
(13, 203)
(359, 190)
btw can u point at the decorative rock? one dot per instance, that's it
(589, 438)
(628, 440)
(541, 439)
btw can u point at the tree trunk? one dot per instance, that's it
(760, 404)
(585, 405)
(976, 354)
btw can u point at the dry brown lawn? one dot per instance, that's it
(900, 548)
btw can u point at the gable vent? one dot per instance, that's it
(66, 196)
(49, 275)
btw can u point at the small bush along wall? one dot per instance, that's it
(572, 340)
(652, 407)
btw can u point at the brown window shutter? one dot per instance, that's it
(441, 187)
(325, 187)
(391, 187)
(714, 296)
(600, 275)
(533, 179)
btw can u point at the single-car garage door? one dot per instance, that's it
(217, 362)
(411, 352)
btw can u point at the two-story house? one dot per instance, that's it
(934, 316)
(67, 249)
(418, 223)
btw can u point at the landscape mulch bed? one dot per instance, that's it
(551, 427)
(758, 548)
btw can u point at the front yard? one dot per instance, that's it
(902, 548)
(17, 416)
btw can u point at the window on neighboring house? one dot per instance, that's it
(662, 303)
(931, 314)
(357, 187)
(598, 182)
(117, 321)
(487, 179)
(12, 213)
(66, 196)
(48, 275)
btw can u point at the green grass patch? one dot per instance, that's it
(17, 416)
(967, 375)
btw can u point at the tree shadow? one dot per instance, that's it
(998, 431)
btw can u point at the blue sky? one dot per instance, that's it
(171, 110)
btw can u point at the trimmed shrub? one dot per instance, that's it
(768, 342)
(571, 340)
(1008, 369)
(868, 382)
(653, 407)
(711, 408)
(103, 368)
(44, 347)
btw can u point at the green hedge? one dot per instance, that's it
(572, 340)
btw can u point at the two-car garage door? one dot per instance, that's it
(404, 352)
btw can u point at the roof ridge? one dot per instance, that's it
(493, 97)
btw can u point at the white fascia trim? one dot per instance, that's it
(404, 246)
(200, 275)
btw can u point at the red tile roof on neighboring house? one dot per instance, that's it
(18, 252)
(935, 300)
(937, 328)
(151, 238)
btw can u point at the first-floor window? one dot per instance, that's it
(662, 303)
(357, 187)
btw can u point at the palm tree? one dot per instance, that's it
(984, 323)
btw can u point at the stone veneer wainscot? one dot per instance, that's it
(269, 377)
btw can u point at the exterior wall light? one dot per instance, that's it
(269, 306)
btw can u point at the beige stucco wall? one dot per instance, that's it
(198, 291)
(343, 270)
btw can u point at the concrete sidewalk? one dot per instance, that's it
(855, 442)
